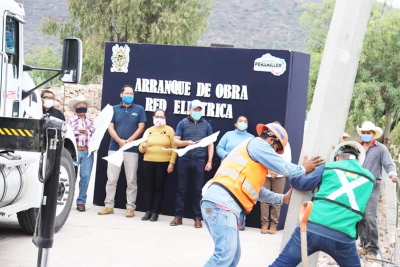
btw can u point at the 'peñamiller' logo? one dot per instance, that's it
(268, 63)
(120, 58)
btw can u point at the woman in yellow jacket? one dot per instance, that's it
(157, 163)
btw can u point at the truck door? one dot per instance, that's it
(11, 66)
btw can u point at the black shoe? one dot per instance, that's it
(154, 217)
(147, 216)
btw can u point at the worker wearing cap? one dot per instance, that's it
(238, 185)
(344, 188)
(192, 165)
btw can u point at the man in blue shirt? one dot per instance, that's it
(127, 125)
(191, 166)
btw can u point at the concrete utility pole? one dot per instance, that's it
(330, 106)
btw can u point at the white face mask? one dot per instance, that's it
(48, 103)
(159, 121)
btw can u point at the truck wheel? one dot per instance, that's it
(66, 190)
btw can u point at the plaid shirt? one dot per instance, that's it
(82, 139)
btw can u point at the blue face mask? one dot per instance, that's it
(366, 138)
(127, 99)
(242, 126)
(196, 115)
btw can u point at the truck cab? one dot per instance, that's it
(20, 189)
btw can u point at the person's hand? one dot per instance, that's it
(82, 130)
(145, 145)
(170, 168)
(273, 174)
(121, 142)
(313, 163)
(394, 178)
(287, 196)
(208, 166)
(190, 142)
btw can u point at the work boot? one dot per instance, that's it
(361, 251)
(176, 221)
(106, 211)
(370, 255)
(272, 229)
(147, 216)
(154, 217)
(129, 213)
(264, 229)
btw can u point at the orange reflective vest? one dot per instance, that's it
(241, 176)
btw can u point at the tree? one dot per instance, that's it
(46, 58)
(141, 21)
(376, 87)
(376, 91)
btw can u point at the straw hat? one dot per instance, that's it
(369, 126)
(345, 136)
(79, 99)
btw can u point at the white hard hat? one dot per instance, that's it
(339, 149)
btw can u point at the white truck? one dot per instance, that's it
(22, 151)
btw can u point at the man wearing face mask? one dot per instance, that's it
(47, 105)
(127, 124)
(83, 129)
(238, 185)
(377, 156)
(192, 165)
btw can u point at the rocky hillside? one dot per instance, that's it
(245, 24)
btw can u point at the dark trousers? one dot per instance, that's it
(368, 227)
(189, 170)
(154, 176)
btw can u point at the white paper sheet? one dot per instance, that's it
(101, 123)
(201, 143)
(118, 157)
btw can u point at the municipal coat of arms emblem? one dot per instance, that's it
(120, 58)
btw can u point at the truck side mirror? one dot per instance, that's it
(71, 61)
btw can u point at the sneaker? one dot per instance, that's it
(264, 229)
(176, 221)
(129, 213)
(106, 210)
(242, 228)
(272, 229)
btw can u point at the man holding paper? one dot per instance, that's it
(191, 166)
(127, 124)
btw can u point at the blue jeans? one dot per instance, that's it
(222, 225)
(86, 164)
(345, 254)
(189, 170)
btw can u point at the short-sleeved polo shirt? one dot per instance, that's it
(126, 120)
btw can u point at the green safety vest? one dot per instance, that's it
(342, 197)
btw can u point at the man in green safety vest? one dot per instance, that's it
(344, 188)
